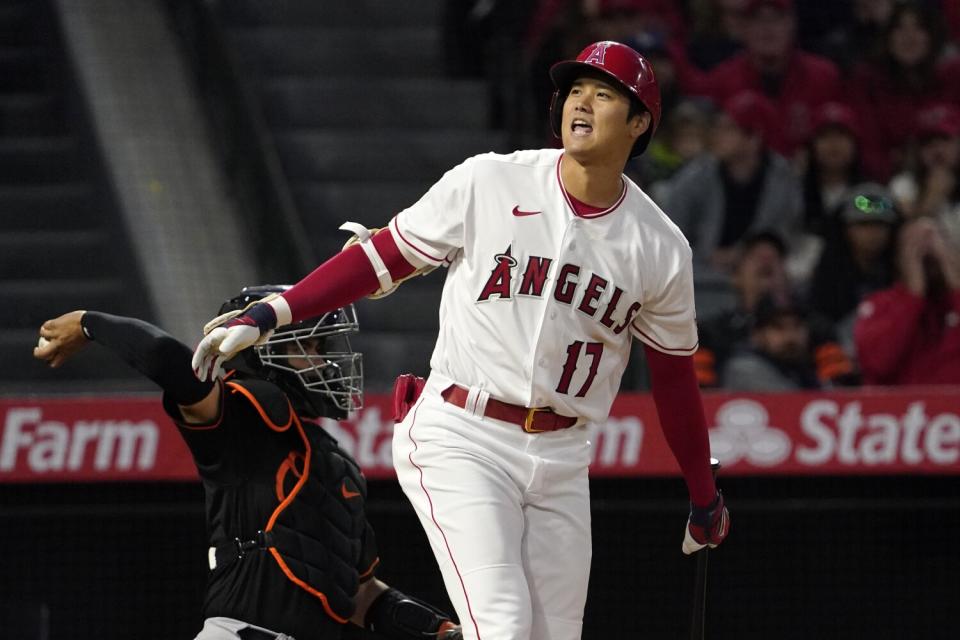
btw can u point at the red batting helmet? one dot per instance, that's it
(631, 71)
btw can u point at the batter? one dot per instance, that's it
(555, 261)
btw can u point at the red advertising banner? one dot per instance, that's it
(889, 431)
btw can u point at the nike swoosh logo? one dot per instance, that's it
(520, 214)
(347, 493)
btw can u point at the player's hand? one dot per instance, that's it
(60, 338)
(706, 526)
(224, 342)
(450, 631)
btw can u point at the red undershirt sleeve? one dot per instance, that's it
(680, 407)
(345, 278)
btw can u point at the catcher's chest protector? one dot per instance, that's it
(318, 524)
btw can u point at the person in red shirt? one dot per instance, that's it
(795, 81)
(910, 333)
(909, 75)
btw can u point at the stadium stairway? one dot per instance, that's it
(364, 121)
(62, 242)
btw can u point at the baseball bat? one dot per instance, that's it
(699, 610)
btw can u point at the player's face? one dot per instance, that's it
(595, 121)
(298, 359)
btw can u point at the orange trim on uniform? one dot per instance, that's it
(285, 502)
(288, 465)
(236, 388)
(369, 572)
(306, 587)
(308, 455)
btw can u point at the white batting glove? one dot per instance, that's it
(220, 345)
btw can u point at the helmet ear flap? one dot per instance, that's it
(556, 112)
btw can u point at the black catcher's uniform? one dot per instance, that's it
(285, 511)
(285, 505)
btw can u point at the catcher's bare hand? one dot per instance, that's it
(60, 338)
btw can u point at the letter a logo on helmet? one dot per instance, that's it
(598, 53)
(631, 72)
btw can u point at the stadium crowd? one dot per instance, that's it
(809, 151)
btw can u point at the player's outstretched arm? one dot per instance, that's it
(148, 349)
(680, 408)
(392, 614)
(341, 280)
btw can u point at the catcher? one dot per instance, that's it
(291, 553)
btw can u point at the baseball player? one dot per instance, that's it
(555, 260)
(291, 552)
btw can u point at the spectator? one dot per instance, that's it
(832, 166)
(760, 275)
(931, 187)
(759, 272)
(908, 75)
(781, 353)
(858, 260)
(795, 81)
(910, 333)
(681, 138)
(717, 33)
(855, 35)
(736, 188)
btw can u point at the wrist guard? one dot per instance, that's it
(398, 616)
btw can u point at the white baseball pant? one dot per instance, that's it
(507, 514)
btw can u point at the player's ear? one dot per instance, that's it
(639, 124)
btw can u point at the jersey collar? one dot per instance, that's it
(583, 210)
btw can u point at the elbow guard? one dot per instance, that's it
(398, 616)
(364, 237)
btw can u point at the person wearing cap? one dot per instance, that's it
(738, 187)
(931, 187)
(909, 333)
(858, 258)
(555, 261)
(782, 354)
(796, 82)
(760, 277)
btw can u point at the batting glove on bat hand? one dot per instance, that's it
(229, 334)
(706, 526)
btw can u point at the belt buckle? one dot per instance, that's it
(528, 422)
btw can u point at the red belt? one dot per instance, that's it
(530, 420)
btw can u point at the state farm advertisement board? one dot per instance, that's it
(900, 431)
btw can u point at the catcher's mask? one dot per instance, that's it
(312, 360)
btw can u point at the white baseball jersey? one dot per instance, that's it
(539, 304)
